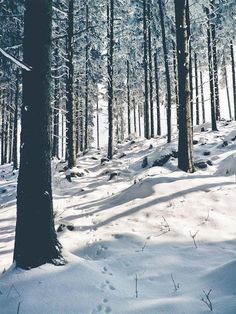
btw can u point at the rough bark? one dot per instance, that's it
(185, 159)
(35, 240)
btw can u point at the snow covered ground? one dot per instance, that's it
(132, 249)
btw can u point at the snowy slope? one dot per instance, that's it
(131, 249)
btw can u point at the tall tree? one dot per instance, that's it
(145, 61)
(167, 71)
(233, 76)
(70, 104)
(185, 159)
(110, 36)
(35, 240)
(211, 71)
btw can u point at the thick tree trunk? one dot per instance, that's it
(110, 33)
(167, 72)
(70, 104)
(188, 22)
(36, 241)
(145, 61)
(185, 159)
(157, 96)
(233, 76)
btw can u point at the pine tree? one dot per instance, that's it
(185, 159)
(35, 240)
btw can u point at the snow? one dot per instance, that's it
(131, 249)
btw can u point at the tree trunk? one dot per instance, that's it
(3, 152)
(214, 60)
(135, 123)
(110, 35)
(202, 99)
(175, 82)
(15, 131)
(86, 81)
(190, 57)
(167, 72)
(35, 240)
(185, 159)
(145, 61)
(70, 105)
(233, 76)
(196, 89)
(157, 96)
(211, 73)
(128, 97)
(55, 145)
(98, 126)
(150, 68)
(227, 87)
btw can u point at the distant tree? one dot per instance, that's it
(35, 240)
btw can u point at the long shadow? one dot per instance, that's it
(151, 181)
(148, 204)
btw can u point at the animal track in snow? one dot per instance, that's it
(102, 308)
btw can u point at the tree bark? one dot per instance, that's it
(175, 82)
(70, 104)
(233, 76)
(15, 130)
(128, 97)
(202, 99)
(150, 68)
(167, 72)
(110, 33)
(211, 73)
(214, 60)
(35, 240)
(196, 89)
(157, 96)
(185, 159)
(145, 61)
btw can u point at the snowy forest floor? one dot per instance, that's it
(131, 249)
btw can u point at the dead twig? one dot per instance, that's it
(207, 300)
(193, 236)
(176, 286)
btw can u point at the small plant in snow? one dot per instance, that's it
(206, 299)
(136, 286)
(193, 236)
(176, 285)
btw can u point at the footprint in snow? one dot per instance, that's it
(107, 285)
(102, 308)
(105, 271)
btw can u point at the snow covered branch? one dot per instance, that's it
(19, 63)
